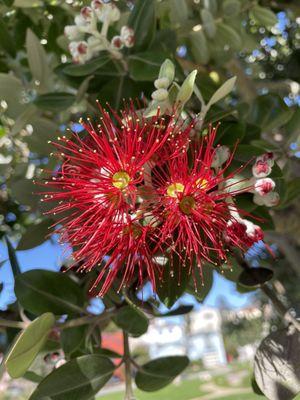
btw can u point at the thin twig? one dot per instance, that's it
(129, 395)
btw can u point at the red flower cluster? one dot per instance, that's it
(131, 189)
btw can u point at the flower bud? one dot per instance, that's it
(271, 199)
(221, 155)
(117, 42)
(162, 83)
(160, 95)
(86, 13)
(127, 35)
(81, 21)
(264, 186)
(72, 32)
(263, 165)
(80, 51)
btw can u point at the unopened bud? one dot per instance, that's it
(264, 186)
(162, 83)
(160, 95)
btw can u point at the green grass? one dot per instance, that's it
(242, 396)
(186, 390)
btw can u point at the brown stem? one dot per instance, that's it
(129, 395)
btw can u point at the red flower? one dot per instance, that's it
(193, 206)
(97, 185)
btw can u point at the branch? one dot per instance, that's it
(129, 395)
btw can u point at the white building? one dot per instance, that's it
(197, 334)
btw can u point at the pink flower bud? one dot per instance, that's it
(117, 42)
(86, 13)
(264, 186)
(127, 35)
(271, 199)
(72, 32)
(263, 165)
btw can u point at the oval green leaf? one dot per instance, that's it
(28, 344)
(57, 101)
(142, 20)
(160, 372)
(255, 277)
(39, 291)
(132, 321)
(80, 378)
(35, 235)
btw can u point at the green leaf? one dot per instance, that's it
(12, 92)
(24, 191)
(181, 310)
(187, 88)
(56, 292)
(23, 119)
(145, 66)
(270, 112)
(208, 23)
(35, 235)
(88, 68)
(201, 283)
(263, 16)
(231, 132)
(142, 20)
(43, 130)
(132, 321)
(72, 338)
(199, 47)
(227, 36)
(28, 344)
(255, 277)
(32, 377)
(27, 3)
(167, 70)
(80, 378)
(167, 287)
(107, 352)
(292, 192)
(222, 92)
(231, 8)
(37, 59)
(57, 101)
(6, 41)
(179, 12)
(12, 258)
(276, 364)
(160, 372)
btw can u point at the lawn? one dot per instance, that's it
(187, 390)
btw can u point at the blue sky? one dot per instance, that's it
(49, 256)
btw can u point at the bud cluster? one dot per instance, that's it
(264, 194)
(86, 40)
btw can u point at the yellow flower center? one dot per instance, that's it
(187, 204)
(201, 183)
(120, 179)
(174, 189)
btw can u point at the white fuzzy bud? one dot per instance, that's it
(162, 83)
(72, 32)
(160, 95)
(264, 186)
(270, 200)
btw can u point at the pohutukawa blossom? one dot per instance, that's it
(194, 204)
(132, 190)
(97, 185)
